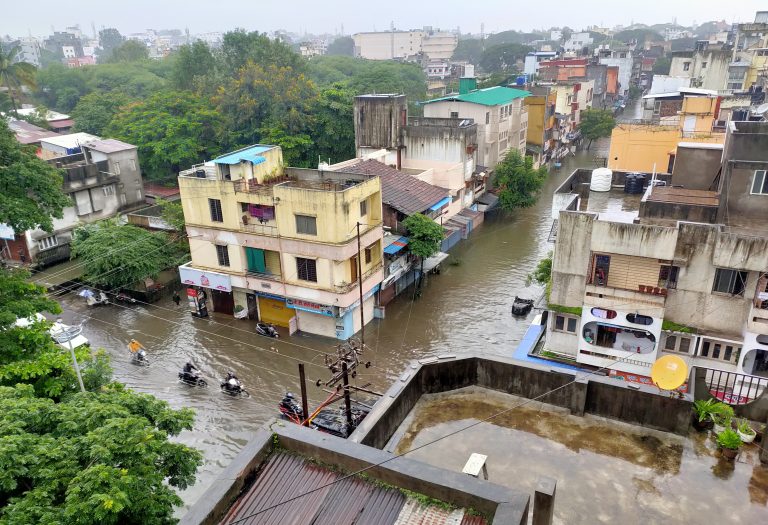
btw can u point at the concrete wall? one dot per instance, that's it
(378, 120)
(744, 153)
(696, 168)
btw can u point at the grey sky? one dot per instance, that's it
(358, 15)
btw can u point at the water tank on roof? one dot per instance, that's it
(634, 183)
(601, 180)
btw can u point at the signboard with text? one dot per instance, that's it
(205, 279)
(299, 304)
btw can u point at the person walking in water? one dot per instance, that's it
(176, 298)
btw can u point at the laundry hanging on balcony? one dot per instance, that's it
(264, 213)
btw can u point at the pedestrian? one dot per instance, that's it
(176, 298)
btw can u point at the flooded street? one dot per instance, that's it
(465, 308)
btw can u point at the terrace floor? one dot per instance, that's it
(614, 205)
(606, 471)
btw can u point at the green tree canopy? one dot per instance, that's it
(503, 57)
(95, 458)
(15, 75)
(333, 131)
(109, 39)
(596, 123)
(129, 51)
(30, 188)
(662, 65)
(172, 129)
(343, 46)
(469, 49)
(519, 183)
(424, 235)
(192, 62)
(95, 111)
(240, 47)
(141, 254)
(543, 272)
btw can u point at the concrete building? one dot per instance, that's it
(102, 177)
(706, 66)
(29, 49)
(749, 58)
(406, 45)
(500, 115)
(578, 42)
(280, 244)
(541, 123)
(679, 270)
(620, 57)
(534, 59)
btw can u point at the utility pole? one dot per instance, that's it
(360, 288)
(347, 400)
(75, 365)
(304, 404)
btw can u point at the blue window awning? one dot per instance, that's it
(440, 204)
(396, 246)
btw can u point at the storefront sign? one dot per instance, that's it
(641, 380)
(298, 304)
(206, 279)
(7, 233)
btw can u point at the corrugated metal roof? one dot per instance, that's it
(109, 145)
(252, 154)
(492, 96)
(403, 192)
(350, 501)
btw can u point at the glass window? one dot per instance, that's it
(487, 117)
(222, 253)
(729, 281)
(668, 276)
(215, 206)
(47, 243)
(306, 269)
(559, 322)
(670, 343)
(454, 114)
(306, 225)
(572, 325)
(116, 167)
(760, 183)
(639, 319)
(603, 314)
(685, 345)
(705, 349)
(363, 208)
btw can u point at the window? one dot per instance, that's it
(639, 319)
(686, 66)
(368, 255)
(46, 243)
(487, 117)
(677, 343)
(603, 314)
(729, 281)
(703, 65)
(566, 324)
(306, 269)
(133, 164)
(760, 183)
(454, 114)
(363, 208)
(215, 206)
(668, 276)
(306, 225)
(222, 253)
(721, 350)
(108, 190)
(116, 167)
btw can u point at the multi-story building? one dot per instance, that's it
(102, 177)
(578, 42)
(707, 65)
(620, 57)
(29, 49)
(679, 269)
(406, 45)
(284, 245)
(499, 113)
(541, 123)
(533, 61)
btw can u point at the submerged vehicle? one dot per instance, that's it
(92, 299)
(232, 386)
(521, 306)
(267, 330)
(140, 358)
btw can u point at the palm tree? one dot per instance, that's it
(15, 75)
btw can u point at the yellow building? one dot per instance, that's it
(541, 116)
(673, 119)
(281, 244)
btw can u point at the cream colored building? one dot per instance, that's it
(280, 244)
(405, 45)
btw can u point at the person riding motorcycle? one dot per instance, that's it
(190, 370)
(137, 350)
(231, 382)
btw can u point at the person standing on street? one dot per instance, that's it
(176, 298)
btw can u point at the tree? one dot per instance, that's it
(333, 131)
(30, 188)
(238, 48)
(661, 66)
(94, 458)
(469, 49)
(596, 123)
(192, 62)
(109, 39)
(96, 110)
(424, 237)
(640, 35)
(129, 51)
(543, 272)
(519, 183)
(15, 75)
(342, 46)
(172, 129)
(503, 57)
(142, 253)
(173, 214)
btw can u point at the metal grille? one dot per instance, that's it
(735, 388)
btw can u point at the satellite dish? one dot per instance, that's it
(669, 372)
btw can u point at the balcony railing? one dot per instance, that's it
(259, 228)
(734, 388)
(268, 276)
(347, 287)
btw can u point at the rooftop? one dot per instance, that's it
(109, 145)
(492, 96)
(251, 154)
(73, 140)
(672, 195)
(27, 133)
(403, 192)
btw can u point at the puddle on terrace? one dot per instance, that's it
(605, 470)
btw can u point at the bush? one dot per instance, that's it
(729, 439)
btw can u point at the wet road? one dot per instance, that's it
(466, 307)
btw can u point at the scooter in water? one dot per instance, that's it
(192, 379)
(234, 387)
(267, 330)
(290, 409)
(140, 358)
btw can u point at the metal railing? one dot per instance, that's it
(344, 288)
(734, 388)
(267, 276)
(259, 228)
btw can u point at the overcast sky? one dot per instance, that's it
(129, 16)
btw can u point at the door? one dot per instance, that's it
(353, 269)
(275, 311)
(223, 302)
(255, 260)
(253, 308)
(689, 124)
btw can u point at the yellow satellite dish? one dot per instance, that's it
(669, 372)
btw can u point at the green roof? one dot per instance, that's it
(492, 96)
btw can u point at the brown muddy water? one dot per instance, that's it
(606, 471)
(466, 307)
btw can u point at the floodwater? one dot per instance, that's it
(465, 308)
(606, 471)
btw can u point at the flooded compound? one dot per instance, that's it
(465, 308)
(606, 471)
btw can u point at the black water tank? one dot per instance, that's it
(634, 183)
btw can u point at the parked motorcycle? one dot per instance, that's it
(232, 386)
(125, 298)
(267, 330)
(92, 299)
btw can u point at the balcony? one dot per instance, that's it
(260, 228)
(348, 287)
(758, 315)
(252, 186)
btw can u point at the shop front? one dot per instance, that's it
(273, 309)
(207, 290)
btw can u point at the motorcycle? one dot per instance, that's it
(125, 298)
(91, 299)
(267, 330)
(290, 409)
(192, 379)
(234, 387)
(140, 358)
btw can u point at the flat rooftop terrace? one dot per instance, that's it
(606, 471)
(613, 205)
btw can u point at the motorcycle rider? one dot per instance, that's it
(137, 350)
(231, 383)
(190, 370)
(290, 404)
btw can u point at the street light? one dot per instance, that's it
(65, 334)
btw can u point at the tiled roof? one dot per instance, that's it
(109, 145)
(403, 192)
(160, 191)
(492, 96)
(27, 133)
